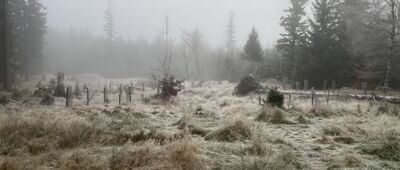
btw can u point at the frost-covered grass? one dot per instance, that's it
(205, 127)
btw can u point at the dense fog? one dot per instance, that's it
(346, 42)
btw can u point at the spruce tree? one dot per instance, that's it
(253, 51)
(4, 63)
(328, 57)
(293, 40)
(33, 37)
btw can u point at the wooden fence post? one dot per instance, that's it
(364, 87)
(325, 84)
(105, 94)
(327, 99)
(158, 88)
(87, 96)
(130, 94)
(69, 96)
(119, 98)
(305, 85)
(333, 84)
(312, 96)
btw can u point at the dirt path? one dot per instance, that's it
(302, 138)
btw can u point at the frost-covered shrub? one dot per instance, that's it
(275, 98)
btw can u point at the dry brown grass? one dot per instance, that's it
(238, 130)
(286, 159)
(16, 132)
(332, 130)
(273, 115)
(386, 147)
(76, 134)
(9, 164)
(347, 160)
(184, 155)
(81, 160)
(258, 146)
(179, 155)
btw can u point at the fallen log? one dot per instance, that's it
(389, 99)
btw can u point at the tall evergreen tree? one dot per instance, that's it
(4, 63)
(253, 51)
(23, 28)
(294, 38)
(328, 58)
(34, 17)
(229, 68)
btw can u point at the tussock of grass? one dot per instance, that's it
(348, 160)
(332, 131)
(302, 120)
(323, 111)
(76, 134)
(387, 148)
(272, 115)
(183, 154)
(9, 164)
(81, 160)
(16, 132)
(238, 130)
(286, 159)
(344, 140)
(258, 146)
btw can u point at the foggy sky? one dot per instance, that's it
(144, 18)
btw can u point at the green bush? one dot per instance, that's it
(275, 99)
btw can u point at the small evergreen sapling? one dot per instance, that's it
(275, 98)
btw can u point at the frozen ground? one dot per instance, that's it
(205, 127)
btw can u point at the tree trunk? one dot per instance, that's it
(392, 43)
(4, 75)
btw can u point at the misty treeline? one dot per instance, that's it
(22, 29)
(345, 41)
(349, 41)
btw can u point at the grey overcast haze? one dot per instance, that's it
(145, 18)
